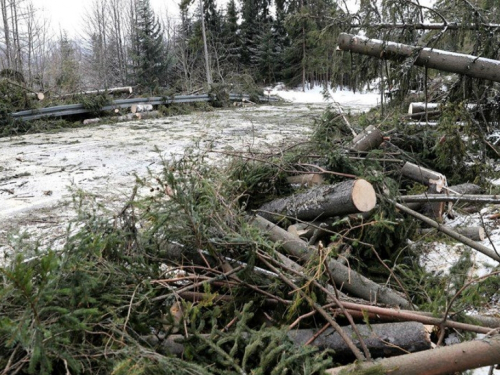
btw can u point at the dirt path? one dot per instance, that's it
(38, 172)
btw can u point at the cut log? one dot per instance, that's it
(141, 107)
(90, 121)
(424, 176)
(370, 138)
(446, 360)
(308, 179)
(473, 233)
(473, 66)
(346, 278)
(383, 340)
(127, 117)
(145, 115)
(345, 198)
(419, 107)
(465, 189)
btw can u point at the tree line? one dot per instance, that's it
(124, 42)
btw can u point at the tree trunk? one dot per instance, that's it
(346, 278)
(307, 179)
(368, 139)
(383, 340)
(469, 65)
(450, 198)
(345, 198)
(447, 360)
(476, 246)
(473, 233)
(145, 115)
(424, 176)
(136, 108)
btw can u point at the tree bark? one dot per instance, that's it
(469, 65)
(345, 198)
(424, 176)
(450, 198)
(370, 138)
(346, 278)
(476, 246)
(308, 179)
(473, 233)
(446, 360)
(137, 108)
(145, 115)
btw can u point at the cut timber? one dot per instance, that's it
(127, 117)
(141, 107)
(446, 360)
(424, 176)
(345, 198)
(346, 278)
(381, 339)
(308, 179)
(473, 66)
(473, 233)
(90, 121)
(145, 115)
(466, 188)
(419, 107)
(368, 139)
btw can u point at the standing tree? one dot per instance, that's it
(150, 61)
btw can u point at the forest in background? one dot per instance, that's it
(293, 41)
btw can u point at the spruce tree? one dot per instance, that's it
(150, 60)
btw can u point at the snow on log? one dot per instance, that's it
(419, 107)
(141, 107)
(446, 360)
(368, 139)
(473, 66)
(346, 278)
(348, 197)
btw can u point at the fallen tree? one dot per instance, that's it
(347, 197)
(447, 360)
(473, 66)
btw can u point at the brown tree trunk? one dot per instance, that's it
(469, 65)
(447, 360)
(345, 198)
(370, 138)
(346, 278)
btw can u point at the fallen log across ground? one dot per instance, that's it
(471, 198)
(474, 233)
(345, 278)
(473, 66)
(370, 138)
(446, 360)
(348, 197)
(383, 340)
(466, 241)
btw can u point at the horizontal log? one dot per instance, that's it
(473, 233)
(141, 107)
(307, 179)
(382, 340)
(446, 360)
(453, 234)
(470, 198)
(90, 121)
(345, 198)
(346, 278)
(145, 115)
(473, 66)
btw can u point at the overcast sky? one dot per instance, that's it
(68, 14)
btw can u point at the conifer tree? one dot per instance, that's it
(149, 55)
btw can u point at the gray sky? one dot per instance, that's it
(68, 14)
